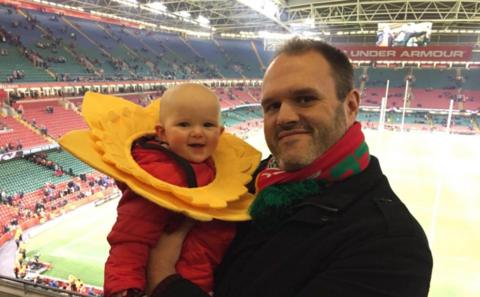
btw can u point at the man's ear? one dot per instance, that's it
(352, 105)
(160, 131)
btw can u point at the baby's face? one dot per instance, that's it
(192, 131)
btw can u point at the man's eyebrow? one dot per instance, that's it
(266, 101)
(306, 91)
(296, 93)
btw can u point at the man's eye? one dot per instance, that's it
(305, 99)
(271, 107)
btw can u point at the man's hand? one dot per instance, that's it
(165, 254)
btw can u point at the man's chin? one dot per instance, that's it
(294, 160)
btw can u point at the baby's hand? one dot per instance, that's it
(165, 254)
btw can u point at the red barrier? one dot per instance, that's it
(6, 237)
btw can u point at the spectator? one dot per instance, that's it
(314, 232)
(49, 109)
(20, 109)
(43, 129)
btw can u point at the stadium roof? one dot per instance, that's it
(234, 16)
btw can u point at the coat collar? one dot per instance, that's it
(322, 207)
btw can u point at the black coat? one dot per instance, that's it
(356, 238)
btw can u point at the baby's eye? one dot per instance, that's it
(183, 124)
(209, 125)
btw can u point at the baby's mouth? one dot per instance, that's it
(197, 145)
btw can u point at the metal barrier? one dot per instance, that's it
(11, 287)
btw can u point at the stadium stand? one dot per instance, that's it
(378, 77)
(265, 56)
(20, 175)
(213, 54)
(66, 160)
(444, 78)
(45, 47)
(241, 55)
(14, 287)
(20, 132)
(139, 58)
(472, 77)
(57, 122)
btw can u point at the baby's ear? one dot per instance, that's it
(222, 128)
(160, 130)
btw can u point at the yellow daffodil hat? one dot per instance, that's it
(115, 123)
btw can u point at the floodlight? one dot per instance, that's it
(203, 20)
(157, 5)
(184, 14)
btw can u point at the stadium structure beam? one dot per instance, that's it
(357, 15)
(276, 18)
(228, 16)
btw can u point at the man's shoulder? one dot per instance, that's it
(384, 214)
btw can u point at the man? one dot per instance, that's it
(325, 221)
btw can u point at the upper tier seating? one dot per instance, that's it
(93, 51)
(129, 48)
(213, 54)
(15, 60)
(240, 53)
(472, 79)
(266, 56)
(434, 78)
(377, 77)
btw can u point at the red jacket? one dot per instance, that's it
(140, 224)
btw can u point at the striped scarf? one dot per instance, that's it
(279, 190)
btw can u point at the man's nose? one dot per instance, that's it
(287, 114)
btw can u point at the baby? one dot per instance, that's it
(180, 153)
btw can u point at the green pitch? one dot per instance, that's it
(77, 244)
(437, 177)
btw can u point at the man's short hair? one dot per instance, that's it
(340, 66)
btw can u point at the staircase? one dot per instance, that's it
(73, 54)
(259, 59)
(227, 58)
(107, 54)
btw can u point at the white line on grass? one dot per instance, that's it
(436, 206)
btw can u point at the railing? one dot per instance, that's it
(17, 287)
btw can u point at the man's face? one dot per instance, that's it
(302, 114)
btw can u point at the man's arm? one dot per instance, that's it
(162, 280)
(176, 286)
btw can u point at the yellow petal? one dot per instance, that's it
(116, 123)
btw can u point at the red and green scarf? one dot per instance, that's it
(279, 190)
